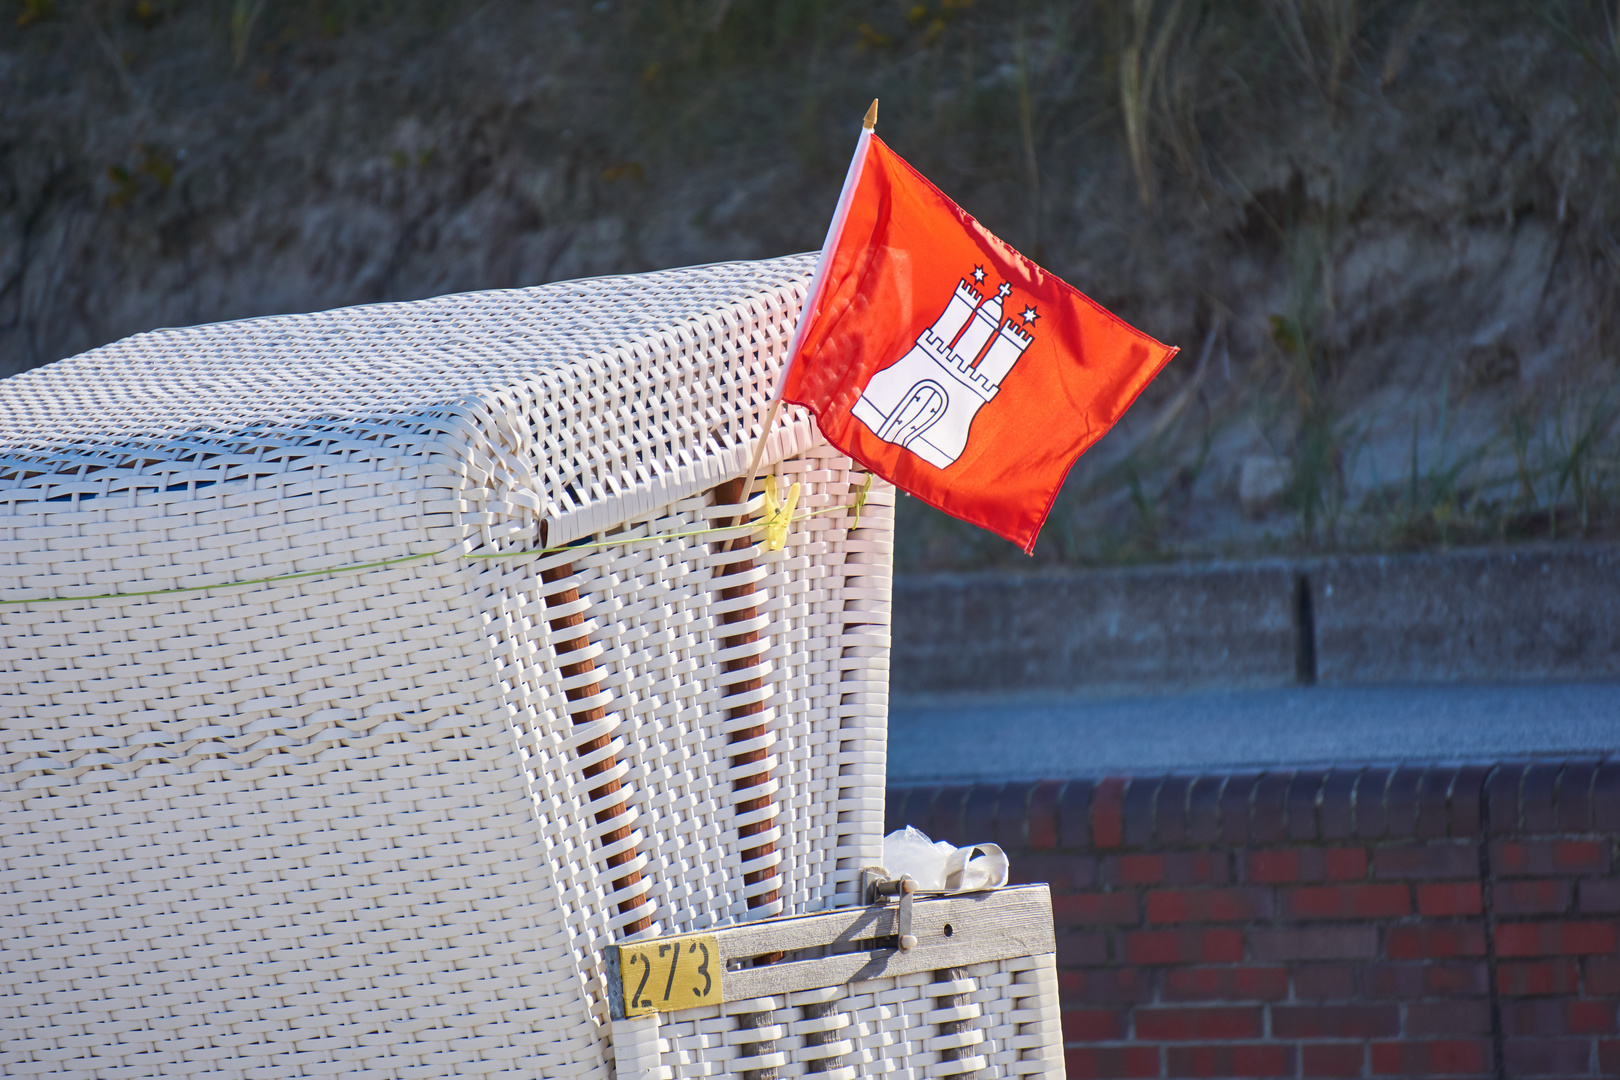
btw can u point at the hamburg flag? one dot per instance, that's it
(946, 362)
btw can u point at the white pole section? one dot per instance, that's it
(812, 296)
(835, 230)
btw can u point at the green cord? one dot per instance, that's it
(353, 568)
(378, 564)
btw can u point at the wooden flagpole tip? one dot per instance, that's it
(870, 123)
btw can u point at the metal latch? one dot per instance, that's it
(878, 888)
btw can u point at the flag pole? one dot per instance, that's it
(812, 295)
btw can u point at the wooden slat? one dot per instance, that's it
(995, 925)
(747, 675)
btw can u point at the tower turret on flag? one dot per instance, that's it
(927, 400)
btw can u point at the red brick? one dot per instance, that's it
(1600, 897)
(1430, 1018)
(1370, 796)
(1530, 897)
(1183, 946)
(1467, 792)
(1207, 905)
(1271, 867)
(1536, 798)
(1440, 1057)
(1303, 795)
(1449, 898)
(1099, 1062)
(942, 819)
(1401, 801)
(982, 810)
(1555, 938)
(1544, 1018)
(1332, 1059)
(1546, 1057)
(1226, 984)
(1187, 1025)
(1173, 868)
(1338, 804)
(1012, 816)
(1434, 816)
(1137, 811)
(1436, 942)
(1091, 908)
(1575, 796)
(1268, 810)
(1074, 815)
(1603, 975)
(1105, 986)
(897, 809)
(1549, 857)
(1431, 979)
(1235, 797)
(1305, 864)
(1348, 902)
(1064, 873)
(1536, 978)
(1502, 798)
(1450, 859)
(1242, 1059)
(1043, 815)
(1315, 943)
(1170, 811)
(1341, 864)
(1108, 812)
(1133, 870)
(1325, 982)
(1334, 1021)
(1590, 1017)
(1204, 810)
(1075, 949)
(1093, 1025)
(1609, 1057)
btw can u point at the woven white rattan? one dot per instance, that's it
(1007, 1013)
(345, 821)
(975, 997)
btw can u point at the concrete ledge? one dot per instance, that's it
(1108, 631)
(1528, 613)
(1531, 612)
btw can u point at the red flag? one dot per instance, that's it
(950, 365)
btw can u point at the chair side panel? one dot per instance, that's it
(270, 830)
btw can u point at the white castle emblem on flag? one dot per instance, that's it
(927, 401)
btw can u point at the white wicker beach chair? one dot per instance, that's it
(312, 765)
(383, 820)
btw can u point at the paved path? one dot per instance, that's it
(956, 739)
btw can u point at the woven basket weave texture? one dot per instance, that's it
(1002, 1017)
(347, 822)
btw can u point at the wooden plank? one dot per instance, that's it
(997, 924)
(847, 925)
(984, 926)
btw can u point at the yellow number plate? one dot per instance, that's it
(666, 974)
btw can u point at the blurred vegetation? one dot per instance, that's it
(1385, 231)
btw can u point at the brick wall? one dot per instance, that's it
(1408, 921)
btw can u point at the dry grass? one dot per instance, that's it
(1322, 200)
(1141, 67)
